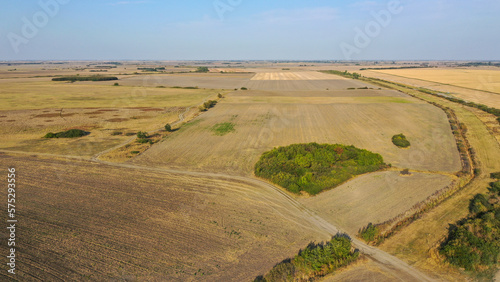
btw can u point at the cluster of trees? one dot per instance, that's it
(400, 141)
(353, 75)
(202, 69)
(72, 133)
(74, 78)
(473, 243)
(315, 167)
(207, 105)
(316, 260)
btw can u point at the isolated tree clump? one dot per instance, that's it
(315, 167)
(72, 133)
(168, 127)
(473, 242)
(315, 261)
(202, 69)
(400, 141)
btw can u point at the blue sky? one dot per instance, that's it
(245, 30)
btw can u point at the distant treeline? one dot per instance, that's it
(74, 78)
(398, 68)
(316, 260)
(347, 74)
(479, 64)
(474, 242)
(315, 167)
(152, 69)
(491, 110)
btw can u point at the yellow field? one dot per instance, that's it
(303, 75)
(485, 80)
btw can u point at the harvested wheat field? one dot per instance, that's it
(375, 198)
(262, 122)
(477, 85)
(83, 220)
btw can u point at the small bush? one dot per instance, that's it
(244, 88)
(400, 141)
(168, 127)
(495, 175)
(114, 133)
(116, 84)
(219, 95)
(142, 135)
(135, 152)
(130, 133)
(369, 233)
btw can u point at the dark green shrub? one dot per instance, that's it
(400, 141)
(202, 69)
(72, 133)
(495, 175)
(142, 135)
(85, 78)
(244, 88)
(168, 127)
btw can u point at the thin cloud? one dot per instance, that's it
(298, 15)
(128, 2)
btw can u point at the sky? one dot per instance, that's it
(249, 30)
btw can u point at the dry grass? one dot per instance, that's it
(26, 94)
(26, 132)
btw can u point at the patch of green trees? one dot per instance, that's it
(400, 141)
(315, 261)
(202, 69)
(473, 243)
(315, 167)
